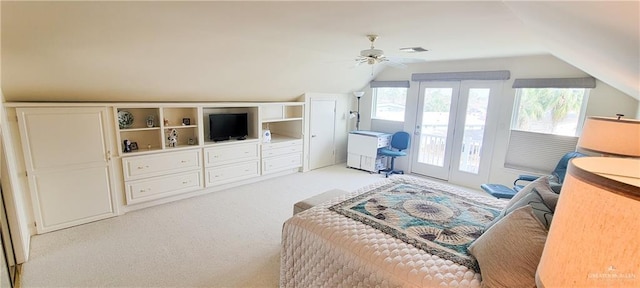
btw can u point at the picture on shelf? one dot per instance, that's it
(186, 121)
(133, 146)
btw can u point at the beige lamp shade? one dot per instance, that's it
(594, 239)
(611, 136)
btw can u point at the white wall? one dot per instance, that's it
(603, 100)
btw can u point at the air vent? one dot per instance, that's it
(413, 49)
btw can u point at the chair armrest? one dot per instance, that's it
(528, 177)
(525, 178)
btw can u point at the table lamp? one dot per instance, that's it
(594, 237)
(611, 136)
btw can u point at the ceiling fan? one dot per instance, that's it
(374, 56)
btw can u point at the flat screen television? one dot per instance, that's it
(227, 126)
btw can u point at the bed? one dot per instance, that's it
(401, 232)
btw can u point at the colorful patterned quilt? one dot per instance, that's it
(434, 220)
(401, 232)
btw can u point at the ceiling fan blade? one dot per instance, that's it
(406, 60)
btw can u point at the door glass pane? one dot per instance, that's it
(475, 119)
(435, 125)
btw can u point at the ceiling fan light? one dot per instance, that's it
(372, 53)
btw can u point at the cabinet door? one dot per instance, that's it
(368, 163)
(353, 160)
(67, 157)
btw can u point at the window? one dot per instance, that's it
(558, 111)
(546, 124)
(389, 103)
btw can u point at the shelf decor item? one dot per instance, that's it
(125, 119)
(126, 146)
(150, 120)
(133, 146)
(186, 121)
(173, 138)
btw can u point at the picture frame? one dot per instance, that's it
(186, 121)
(133, 146)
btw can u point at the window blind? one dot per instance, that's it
(460, 76)
(537, 152)
(586, 82)
(380, 84)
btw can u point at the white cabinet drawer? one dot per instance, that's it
(384, 141)
(215, 156)
(275, 164)
(159, 164)
(281, 150)
(158, 187)
(230, 173)
(278, 145)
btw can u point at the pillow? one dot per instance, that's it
(509, 252)
(540, 206)
(540, 183)
(544, 194)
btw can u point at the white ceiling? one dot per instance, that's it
(259, 51)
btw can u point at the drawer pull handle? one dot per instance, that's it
(145, 190)
(185, 182)
(184, 161)
(143, 167)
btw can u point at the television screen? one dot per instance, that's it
(226, 126)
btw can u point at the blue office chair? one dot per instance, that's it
(399, 142)
(559, 172)
(501, 191)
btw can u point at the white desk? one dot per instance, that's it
(362, 150)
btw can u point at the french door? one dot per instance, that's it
(454, 131)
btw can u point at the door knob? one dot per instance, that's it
(313, 136)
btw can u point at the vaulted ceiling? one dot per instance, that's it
(260, 51)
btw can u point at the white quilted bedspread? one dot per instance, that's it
(321, 248)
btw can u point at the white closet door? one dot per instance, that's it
(68, 165)
(322, 116)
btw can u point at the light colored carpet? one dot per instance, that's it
(229, 238)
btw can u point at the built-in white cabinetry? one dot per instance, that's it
(69, 154)
(149, 177)
(231, 162)
(282, 155)
(147, 129)
(362, 150)
(282, 127)
(68, 159)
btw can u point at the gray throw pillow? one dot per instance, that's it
(541, 209)
(540, 183)
(509, 252)
(544, 192)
